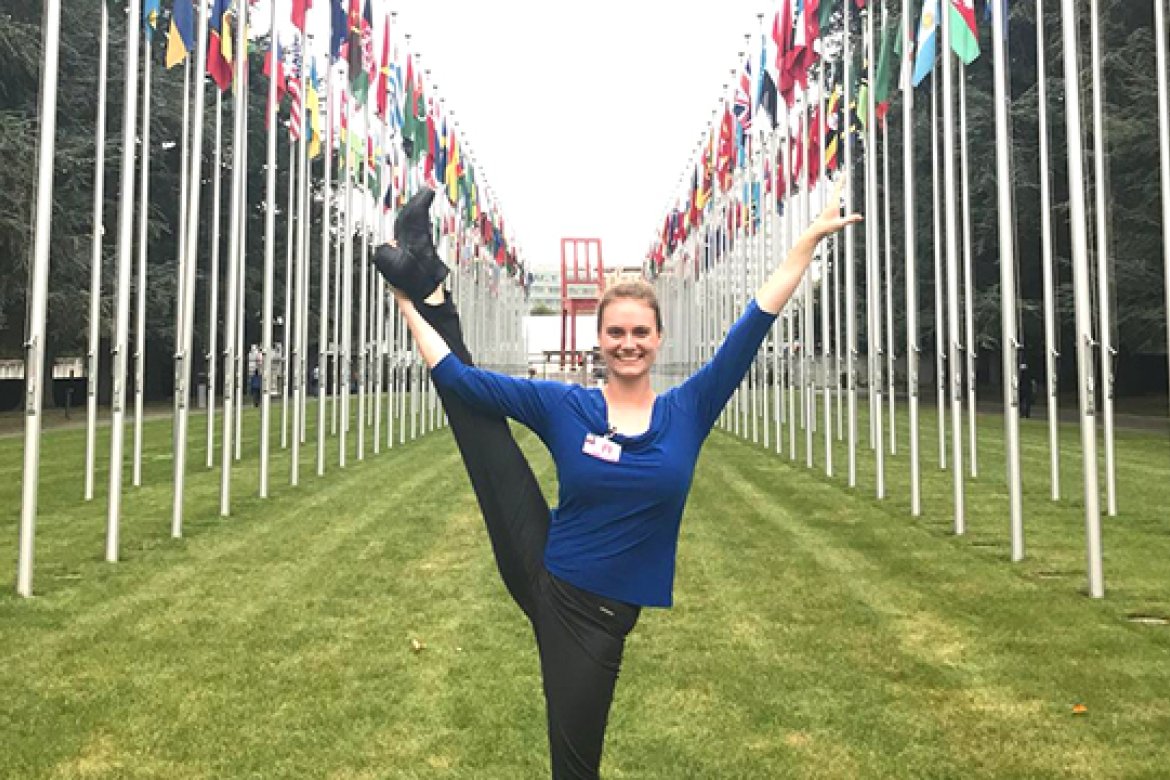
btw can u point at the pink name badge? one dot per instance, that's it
(602, 448)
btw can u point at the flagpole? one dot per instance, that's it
(274, 73)
(952, 259)
(363, 287)
(234, 292)
(240, 373)
(1051, 345)
(213, 284)
(286, 323)
(346, 310)
(1007, 279)
(1164, 144)
(1080, 262)
(143, 213)
(323, 346)
(122, 289)
(294, 290)
(825, 358)
(39, 289)
(95, 268)
(1104, 315)
(850, 271)
(873, 272)
(911, 272)
(303, 268)
(190, 265)
(940, 341)
(968, 294)
(889, 263)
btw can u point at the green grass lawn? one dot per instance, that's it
(817, 632)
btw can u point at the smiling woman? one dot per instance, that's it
(625, 459)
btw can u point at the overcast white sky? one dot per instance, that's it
(581, 116)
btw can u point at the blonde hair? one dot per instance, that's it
(636, 290)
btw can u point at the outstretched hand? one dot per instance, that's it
(830, 220)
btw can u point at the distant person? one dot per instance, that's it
(256, 386)
(625, 458)
(1027, 390)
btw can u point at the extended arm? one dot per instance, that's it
(778, 288)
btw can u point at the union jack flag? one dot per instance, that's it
(743, 98)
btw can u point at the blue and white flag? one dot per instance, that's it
(927, 42)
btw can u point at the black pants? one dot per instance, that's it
(579, 634)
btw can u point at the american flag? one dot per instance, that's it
(292, 68)
(743, 98)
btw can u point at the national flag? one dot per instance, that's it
(219, 45)
(359, 76)
(833, 129)
(454, 167)
(338, 29)
(815, 153)
(296, 113)
(885, 71)
(382, 88)
(768, 100)
(782, 35)
(927, 42)
(313, 110)
(281, 74)
(150, 10)
(394, 90)
(964, 35)
(827, 7)
(805, 30)
(724, 160)
(299, 7)
(743, 98)
(181, 38)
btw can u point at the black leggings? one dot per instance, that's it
(580, 635)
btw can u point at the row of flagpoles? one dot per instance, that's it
(752, 186)
(382, 138)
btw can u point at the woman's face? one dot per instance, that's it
(628, 338)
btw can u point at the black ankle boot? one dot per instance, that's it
(406, 272)
(412, 230)
(413, 266)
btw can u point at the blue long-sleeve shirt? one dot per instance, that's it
(615, 529)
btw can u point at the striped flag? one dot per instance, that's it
(296, 111)
(927, 42)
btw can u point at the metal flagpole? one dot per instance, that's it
(345, 313)
(363, 289)
(269, 259)
(234, 291)
(1007, 280)
(297, 361)
(825, 359)
(143, 212)
(1164, 143)
(841, 138)
(95, 270)
(968, 282)
(873, 338)
(911, 271)
(190, 265)
(1104, 316)
(286, 338)
(241, 312)
(889, 267)
(940, 341)
(323, 347)
(1080, 262)
(122, 289)
(339, 224)
(181, 253)
(850, 271)
(213, 284)
(952, 260)
(39, 288)
(1051, 346)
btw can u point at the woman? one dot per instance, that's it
(624, 456)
